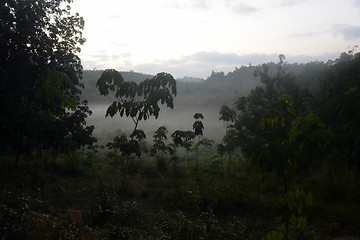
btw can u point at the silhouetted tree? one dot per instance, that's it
(198, 128)
(159, 144)
(137, 101)
(40, 76)
(227, 115)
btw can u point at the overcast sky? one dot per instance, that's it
(194, 37)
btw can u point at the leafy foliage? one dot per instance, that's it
(266, 113)
(227, 114)
(159, 137)
(183, 138)
(198, 125)
(40, 78)
(310, 138)
(337, 101)
(138, 101)
(125, 146)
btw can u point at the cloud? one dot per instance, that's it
(114, 16)
(126, 55)
(101, 57)
(307, 34)
(201, 64)
(173, 4)
(357, 3)
(202, 4)
(235, 6)
(239, 7)
(232, 58)
(119, 44)
(308, 58)
(290, 3)
(105, 57)
(89, 64)
(243, 8)
(347, 31)
(192, 4)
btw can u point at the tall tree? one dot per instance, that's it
(267, 112)
(137, 101)
(338, 104)
(40, 75)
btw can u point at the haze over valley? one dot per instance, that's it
(194, 95)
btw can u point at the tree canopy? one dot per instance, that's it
(337, 103)
(40, 75)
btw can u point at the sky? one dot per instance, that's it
(195, 37)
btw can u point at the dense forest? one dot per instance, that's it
(263, 152)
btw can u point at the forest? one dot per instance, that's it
(263, 152)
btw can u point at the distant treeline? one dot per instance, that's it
(216, 90)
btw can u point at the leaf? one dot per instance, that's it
(141, 114)
(112, 109)
(133, 112)
(139, 135)
(122, 112)
(108, 80)
(198, 116)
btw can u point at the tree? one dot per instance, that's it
(180, 139)
(267, 112)
(198, 125)
(198, 131)
(183, 139)
(309, 138)
(159, 144)
(206, 143)
(337, 103)
(137, 101)
(229, 145)
(229, 141)
(40, 75)
(227, 115)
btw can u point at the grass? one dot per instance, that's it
(206, 202)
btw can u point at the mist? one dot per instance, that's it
(194, 96)
(172, 119)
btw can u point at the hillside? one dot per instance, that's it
(206, 97)
(216, 90)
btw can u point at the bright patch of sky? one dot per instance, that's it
(194, 37)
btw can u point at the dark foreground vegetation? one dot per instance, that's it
(287, 166)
